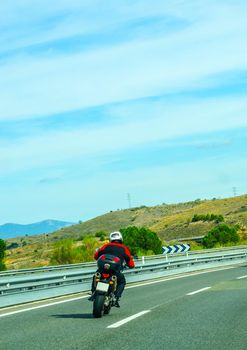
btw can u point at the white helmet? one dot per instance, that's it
(116, 236)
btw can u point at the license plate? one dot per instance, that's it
(102, 287)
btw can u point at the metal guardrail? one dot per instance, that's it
(196, 252)
(93, 264)
(57, 281)
(46, 269)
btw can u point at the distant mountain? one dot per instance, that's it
(13, 230)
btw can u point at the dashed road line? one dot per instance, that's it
(241, 277)
(128, 319)
(198, 291)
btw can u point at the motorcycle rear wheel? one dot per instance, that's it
(98, 305)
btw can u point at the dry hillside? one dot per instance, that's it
(170, 222)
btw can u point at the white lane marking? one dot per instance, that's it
(198, 291)
(41, 306)
(128, 319)
(239, 278)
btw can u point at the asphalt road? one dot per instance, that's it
(199, 311)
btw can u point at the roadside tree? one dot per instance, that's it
(222, 234)
(141, 239)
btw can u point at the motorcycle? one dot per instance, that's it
(105, 284)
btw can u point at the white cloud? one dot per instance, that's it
(35, 86)
(131, 71)
(142, 126)
(58, 20)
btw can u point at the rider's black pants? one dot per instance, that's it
(121, 282)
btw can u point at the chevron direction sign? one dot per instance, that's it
(178, 248)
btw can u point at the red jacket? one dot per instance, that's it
(116, 249)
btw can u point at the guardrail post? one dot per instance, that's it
(166, 257)
(143, 260)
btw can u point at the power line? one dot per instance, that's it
(129, 199)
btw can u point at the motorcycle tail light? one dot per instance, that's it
(116, 259)
(105, 275)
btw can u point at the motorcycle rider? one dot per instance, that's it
(118, 249)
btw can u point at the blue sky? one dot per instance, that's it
(103, 99)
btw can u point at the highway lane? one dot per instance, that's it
(215, 317)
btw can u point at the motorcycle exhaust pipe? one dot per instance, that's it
(97, 276)
(113, 278)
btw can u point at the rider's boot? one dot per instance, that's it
(92, 297)
(116, 302)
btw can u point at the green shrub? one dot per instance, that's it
(2, 254)
(62, 253)
(208, 217)
(65, 252)
(101, 235)
(222, 235)
(13, 245)
(2, 266)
